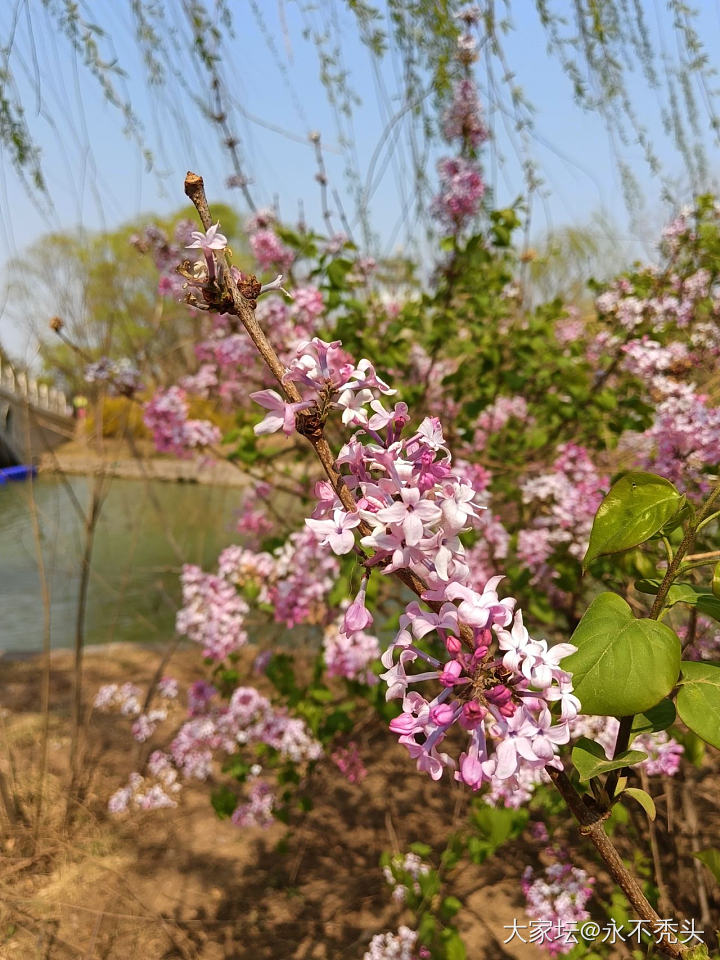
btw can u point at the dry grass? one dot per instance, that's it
(182, 884)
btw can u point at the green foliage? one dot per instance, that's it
(711, 858)
(491, 828)
(622, 666)
(590, 761)
(224, 801)
(643, 798)
(636, 507)
(698, 699)
(657, 718)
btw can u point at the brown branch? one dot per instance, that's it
(590, 820)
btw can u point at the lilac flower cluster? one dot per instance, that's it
(212, 727)
(294, 579)
(565, 499)
(349, 762)
(396, 946)
(497, 415)
(706, 640)
(461, 190)
(267, 247)
(153, 792)
(413, 507)
(248, 718)
(121, 376)
(461, 183)
(684, 439)
(125, 699)
(167, 417)
(213, 613)
(257, 810)
(558, 896)
(350, 654)
(463, 118)
(166, 253)
(403, 873)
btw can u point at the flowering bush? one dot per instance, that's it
(498, 557)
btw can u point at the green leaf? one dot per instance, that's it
(449, 907)
(454, 947)
(421, 849)
(622, 666)
(657, 718)
(709, 605)
(643, 798)
(635, 508)
(699, 597)
(698, 699)
(678, 592)
(336, 271)
(224, 802)
(590, 760)
(711, 858)
(716, 580)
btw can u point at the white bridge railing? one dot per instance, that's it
(37, 394)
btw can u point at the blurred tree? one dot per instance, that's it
(105, 290)
(560, 262)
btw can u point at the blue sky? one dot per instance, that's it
(98, 180)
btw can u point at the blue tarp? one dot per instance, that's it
(17, 473)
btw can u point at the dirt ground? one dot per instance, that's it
(183, 884)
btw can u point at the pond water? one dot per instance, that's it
(146, 531)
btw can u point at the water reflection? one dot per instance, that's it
(145, 532)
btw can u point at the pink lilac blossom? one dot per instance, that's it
(396, 946)
(294, 580)
(496, 417)
(491, 547)
(403, 872)
(349, 762)
(684, 439)
(503, 793)
(201, 383)
(461, 190)
(566, 498)
(213, 613)
(121, 376)
(143, 793)
(146, 724)
(463, 118)
(249, 718)
(166, 415)
(649, 360)
(269, 250)
(306, 309)
(210, 242)
(168, 687)
(706, 642)
(257, 811)
(350, 655)
(123, 697)
(416, 506)
(557, 898)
